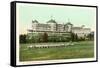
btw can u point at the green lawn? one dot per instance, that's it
(84, 49)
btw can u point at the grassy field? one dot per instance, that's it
(84, 49)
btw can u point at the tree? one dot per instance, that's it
(72, 36)
(90, 36)
(22, 38)
(45, 37)
(76, 37)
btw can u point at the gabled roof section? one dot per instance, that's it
(35, 21)
(69, 23)
(51, 21)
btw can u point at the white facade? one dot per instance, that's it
(80, 31)
(53, 26)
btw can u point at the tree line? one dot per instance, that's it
(45, 38)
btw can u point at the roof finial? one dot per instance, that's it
(51, 17)
(68, 20)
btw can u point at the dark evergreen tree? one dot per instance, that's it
(76, 37)
(22, 38)
(45, 37)
(72, 36)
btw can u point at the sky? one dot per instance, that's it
(76, 15)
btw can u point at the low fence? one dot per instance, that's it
(49, 45)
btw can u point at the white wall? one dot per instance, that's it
(5, 34)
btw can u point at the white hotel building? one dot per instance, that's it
(52, 27)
